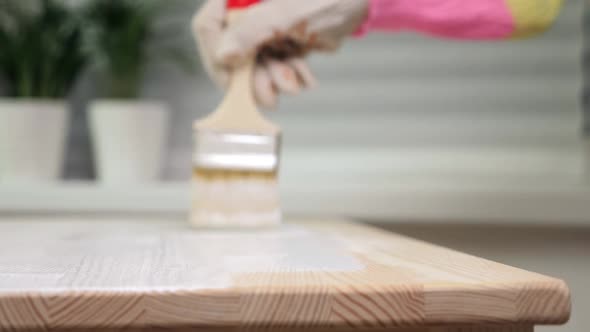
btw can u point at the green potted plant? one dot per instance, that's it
(41, 57)
(128, 133)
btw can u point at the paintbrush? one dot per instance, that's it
(236, 156)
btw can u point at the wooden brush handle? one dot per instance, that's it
(238, 110)
(241, 85)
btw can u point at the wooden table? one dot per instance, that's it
(316, 275)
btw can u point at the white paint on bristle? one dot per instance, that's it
(248, 202)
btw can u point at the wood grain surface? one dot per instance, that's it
(77, 274)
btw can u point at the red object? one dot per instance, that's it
(237, 4)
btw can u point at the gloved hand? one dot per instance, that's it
(315, 25)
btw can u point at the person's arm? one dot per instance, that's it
(462, 19)
(322, 25)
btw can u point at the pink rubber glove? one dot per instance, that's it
(464, 19)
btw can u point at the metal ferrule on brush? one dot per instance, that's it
(236, 151)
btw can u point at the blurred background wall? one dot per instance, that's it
(410, 106)
(399, 117)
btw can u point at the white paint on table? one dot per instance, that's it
(134, 256)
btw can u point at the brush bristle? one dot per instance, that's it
(227, 198)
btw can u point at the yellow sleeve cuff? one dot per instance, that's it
(532, 17)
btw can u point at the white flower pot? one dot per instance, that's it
(129, 140)
(32, 139)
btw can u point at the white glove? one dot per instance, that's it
(313, 24)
